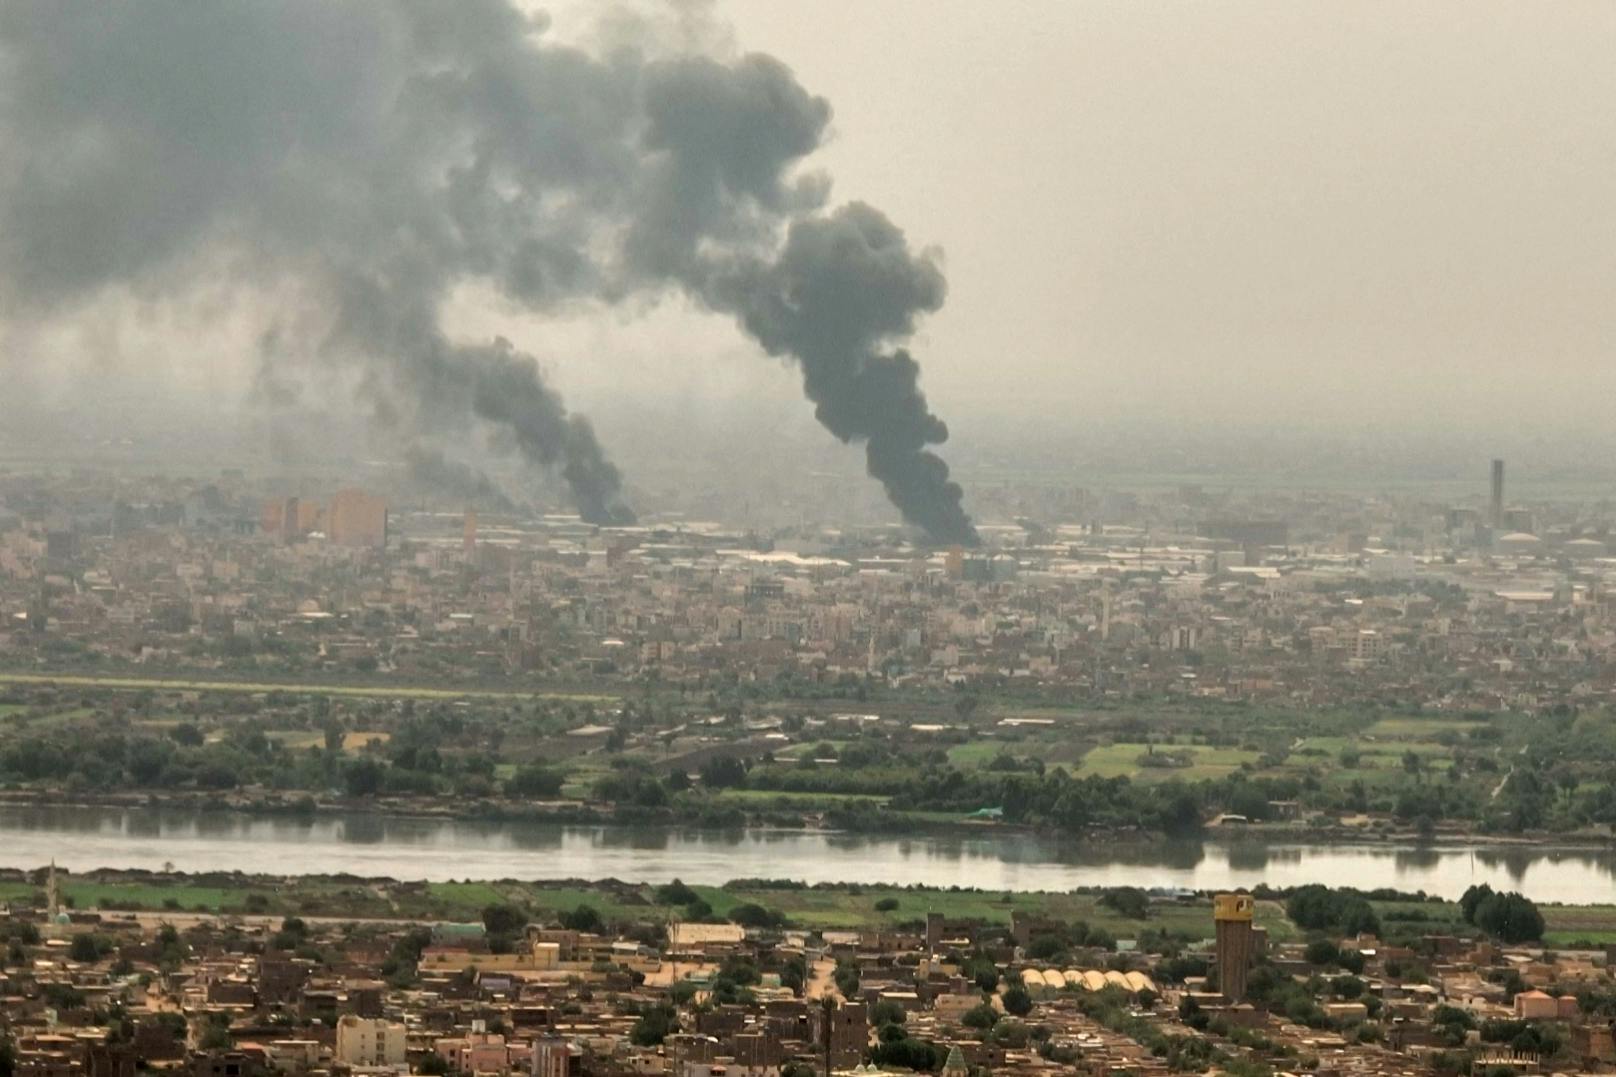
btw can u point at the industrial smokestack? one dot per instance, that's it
(345, 167)
(1497, 515)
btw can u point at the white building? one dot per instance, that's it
(365, 1041)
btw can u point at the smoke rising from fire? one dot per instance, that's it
(429, 469)
(371, 156)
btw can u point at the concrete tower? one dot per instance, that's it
(1496, 519)
(1231, 915)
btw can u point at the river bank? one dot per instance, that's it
(436, 850)
(842, 906)
(263, 898)
(1371, 831)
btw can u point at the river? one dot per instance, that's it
(82, 838)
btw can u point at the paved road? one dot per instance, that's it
(183, 920)
(382, 691)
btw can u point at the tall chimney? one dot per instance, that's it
(1498, 495)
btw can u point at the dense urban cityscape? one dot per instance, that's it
(1121, 668)
(1309, 599)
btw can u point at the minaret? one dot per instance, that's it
(53, 898)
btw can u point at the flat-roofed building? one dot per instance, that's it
(356, 518)
(369, 1041)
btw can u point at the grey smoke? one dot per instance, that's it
(428, 468)
(370, 156)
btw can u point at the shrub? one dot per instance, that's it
(982, 1017)
(583, 918)
(748, 914)
(675, 893)
(534, 781)
(503, 919)
(1127, 901)
(654, 1025)
(1017, 1001)
(1510, 917)
(887, 1012)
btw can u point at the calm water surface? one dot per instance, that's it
(437, 850)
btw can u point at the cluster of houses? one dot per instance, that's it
(91, 995)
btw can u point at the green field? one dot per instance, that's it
(829, 908)
(763, 798)
(850, 909)
(1418, 727)
(976, 753)
(451, 901)
(135, 896)
(1577, 923)
(141, 896)
(826, 908)
(1122, 760)
(580, 780)
(809, 748)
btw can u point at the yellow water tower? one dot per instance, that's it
(1231, 916)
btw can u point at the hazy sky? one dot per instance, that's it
(1277, 214)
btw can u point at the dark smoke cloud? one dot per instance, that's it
(843, 285)
(429, 469)
(376, 154)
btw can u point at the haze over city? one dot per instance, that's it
(1380, 225)
(735, 538)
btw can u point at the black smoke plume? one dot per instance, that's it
(367, 158)
(843, 285)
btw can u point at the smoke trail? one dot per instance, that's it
(371, 156)
(843, 285)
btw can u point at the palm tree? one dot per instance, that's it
(827, 1006)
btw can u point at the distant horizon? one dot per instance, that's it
(673, 462)
(1149, 250)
